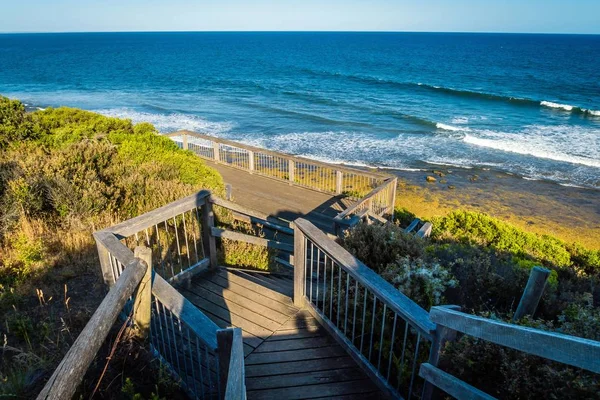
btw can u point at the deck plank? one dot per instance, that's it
(295, 355)
(284, 308)
(250, 303)
(288, 355)
(325, 390)
(255, 287)
(234, 308)
(295, 344)
(264, 370)
(304, 378)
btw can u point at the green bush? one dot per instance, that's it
(481, 229)
(380, 245)
(423, 282)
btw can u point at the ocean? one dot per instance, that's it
(526, 105)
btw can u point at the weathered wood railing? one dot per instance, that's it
(180, 235)
(377, 203)
(68, 375)
(374, 193)
(175, 242)
(566, 349)
(385, 332)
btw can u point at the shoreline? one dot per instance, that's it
(570, 213)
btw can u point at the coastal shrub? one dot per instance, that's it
(509, 374)
(380, 245)
(15, 123)
(424, 283)
(481, 229)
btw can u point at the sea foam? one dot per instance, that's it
(532, 148)
(550, 104)
(170, 122)
(448, 127)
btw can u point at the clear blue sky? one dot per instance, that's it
(549, 16)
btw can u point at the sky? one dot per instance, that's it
(540, 16)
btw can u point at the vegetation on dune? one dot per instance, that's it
(482, 264)
(65, 173)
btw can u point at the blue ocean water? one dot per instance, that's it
(523, 104)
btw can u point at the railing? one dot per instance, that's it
(175, 242)
(385, 332)
(379, 202)
(374, 193)
(180, 235)
(566, 349)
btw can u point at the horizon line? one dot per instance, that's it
(297, 31)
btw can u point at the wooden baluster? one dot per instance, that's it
(339, 179)
(143, 297)
(299, 266)
(209, 241)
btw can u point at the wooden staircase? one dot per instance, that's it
(288, 355)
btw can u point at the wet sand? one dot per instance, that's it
(570, 213)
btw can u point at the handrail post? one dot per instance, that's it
(393, 205)
(291, 171)
(143, 297)
(217, 155)
(440, 338)
(299, 266)
(251, 161)
(533, 292)
(209, 241)
(184, 141)
(230, 351)
(339, 179)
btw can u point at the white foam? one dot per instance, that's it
(540, 142)
(460, 120)
(448, 127)
(170, 122)
(550, 104)
(465, 164)
(593, 112)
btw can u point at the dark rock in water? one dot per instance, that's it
(430, 178)
(451, 187)
(439, 173)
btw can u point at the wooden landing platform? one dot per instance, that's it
(280, 199)
(288, 354)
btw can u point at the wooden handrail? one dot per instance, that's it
(352, 209)
(388, 294)
(143, 221)
(376, 175)
(231, 364)
(571, 350)
(202, 326)
(69, 373)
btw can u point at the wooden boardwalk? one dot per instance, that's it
(288, 355)
(280, 199)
